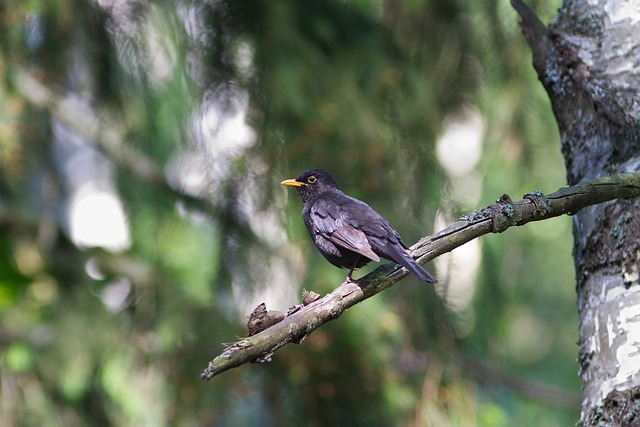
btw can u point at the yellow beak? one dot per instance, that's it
(292, 183)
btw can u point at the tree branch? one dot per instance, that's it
(535, 33)
(108, 135)
(303, 319)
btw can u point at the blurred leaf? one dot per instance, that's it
(18, 357)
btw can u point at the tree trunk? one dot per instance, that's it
(589, 62)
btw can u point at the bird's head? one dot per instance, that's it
(311, 183)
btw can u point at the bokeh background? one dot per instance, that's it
(141, 217)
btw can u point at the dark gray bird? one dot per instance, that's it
(347, 231)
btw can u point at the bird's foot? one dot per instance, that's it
(349, 279)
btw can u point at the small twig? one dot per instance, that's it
(493, 219)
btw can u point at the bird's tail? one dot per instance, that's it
(402, 257)
(417, 270)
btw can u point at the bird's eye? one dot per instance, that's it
(311, 179)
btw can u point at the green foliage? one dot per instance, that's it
(364, 90)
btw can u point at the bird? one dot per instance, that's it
(347, 231)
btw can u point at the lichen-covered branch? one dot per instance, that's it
(301, 320)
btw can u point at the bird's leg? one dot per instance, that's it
(349, 279)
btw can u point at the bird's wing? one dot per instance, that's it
(362, 216)
(355, 240)
(330, 222)
(383, 239)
